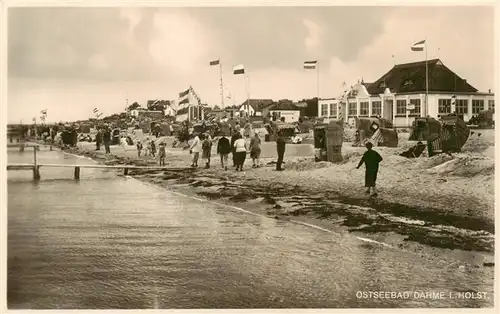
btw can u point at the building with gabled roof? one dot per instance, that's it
(254, 107)
(400, 95)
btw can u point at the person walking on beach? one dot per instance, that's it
(240, 152)
(207, 149)
(153, 148)
(371, 159)
(106, 138)
(255, 150)
(223, 150)
(234, 137)
(195, 149)
(139, 148)
(98, 140)
(162, 154)
(280, 146)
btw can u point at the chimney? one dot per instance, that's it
(489, 91)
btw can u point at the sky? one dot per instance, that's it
(72, 60)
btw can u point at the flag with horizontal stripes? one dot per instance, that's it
(418, 46)
(310, 65)
(238, 69)
(184, 101)
(96, 110)
(215, 62)
(184, 93)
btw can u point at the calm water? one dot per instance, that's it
(112, 242)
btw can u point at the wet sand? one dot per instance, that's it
(469, 239)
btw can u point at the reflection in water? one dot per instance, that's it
(110, 242)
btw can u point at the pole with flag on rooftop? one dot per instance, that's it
(217, 62)
(313, 65)
(240, 69)
(422, 46)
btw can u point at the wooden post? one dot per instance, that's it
(77, 173)
(36, 173)
(125, 171)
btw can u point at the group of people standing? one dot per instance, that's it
(238, 146)
(103, 136)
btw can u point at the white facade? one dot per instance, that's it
(289, 115)
(398, 107)
(169, 111)
(247, 109)
(181, 117)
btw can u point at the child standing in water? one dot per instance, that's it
(162, 154)
(371, 159)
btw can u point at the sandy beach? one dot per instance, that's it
(441, 202)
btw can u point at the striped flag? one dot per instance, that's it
(239, 69)
(418, 46)
(215, 62)
(96, 110)
(44, 112)
(184, 93)
(310, 65)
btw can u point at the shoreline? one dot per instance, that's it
(395, 224)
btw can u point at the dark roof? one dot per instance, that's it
(284, 106)
(410, 77)
(258, 104)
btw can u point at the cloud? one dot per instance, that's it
(103, 55)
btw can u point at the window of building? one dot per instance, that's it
(418, 106)
(364, 108)
(477, 105)
(376, 108)
(407, 83)
(462, 106)
(444, 106)
(491, 105)
(401, 107)
(333, 110)
(353, 109)
(324, 110)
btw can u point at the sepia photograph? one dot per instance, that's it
(235, 156)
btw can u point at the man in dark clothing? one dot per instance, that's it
(106, 138)
(223, 149)
(371, 159)
(98, 140)
(233, 139)
(280, 145)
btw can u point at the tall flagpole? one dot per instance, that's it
(248, 93)
(317, 78)
(221, 85)
(426, 81)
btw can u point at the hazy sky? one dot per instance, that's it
(70, 60)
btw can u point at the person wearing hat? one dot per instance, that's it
(162, 154)
(371, 159)
(195, 149)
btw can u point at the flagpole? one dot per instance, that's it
(426, 81)
(221, 85)
(246, 89)
(317, 79)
